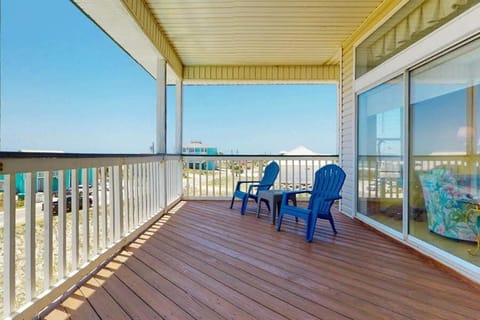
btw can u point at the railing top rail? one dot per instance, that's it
(15, 155)
(257, 157)
(446, 157)
(12, 162)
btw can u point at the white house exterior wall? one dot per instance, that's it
(347, 131)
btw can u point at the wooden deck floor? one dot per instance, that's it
(204, 261)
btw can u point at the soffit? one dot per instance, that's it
(265, 32)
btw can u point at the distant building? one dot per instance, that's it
(297, 174)
(197, 148)
(299, 151)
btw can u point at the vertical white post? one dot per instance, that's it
(118, 226)
(103, 195)
(144, 192)
(95, 210)
(111, 202)
(151, 188)
(48, 234)
(9, 245)
(179, 117)
(136, 205)
(62, 226)
(163, 186)
(86, 218)
(161, 127)
(155, 187)
(75, 219)
(140, 193)
(30, 235)
(148, 194)
(126, 197)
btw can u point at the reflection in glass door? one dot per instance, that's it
(444, 142)
(380, 153)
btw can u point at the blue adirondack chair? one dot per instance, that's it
(269, 176)
(326, 189)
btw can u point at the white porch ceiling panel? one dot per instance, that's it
(259, 32)
(225, 41)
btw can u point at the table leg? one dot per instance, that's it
(274, 210)
(258, 206)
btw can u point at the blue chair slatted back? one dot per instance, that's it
(329, 180)
(269, 176)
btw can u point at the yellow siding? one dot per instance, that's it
(149, 25)
(326, 73)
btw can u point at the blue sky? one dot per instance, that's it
(66, 86)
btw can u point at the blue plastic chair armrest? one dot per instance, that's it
(330, 197)
(287, 194)
(239, 183)
(250, 187)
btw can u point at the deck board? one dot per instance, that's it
(205, 261)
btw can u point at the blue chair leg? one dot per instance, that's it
(279, 221)
(231, 204)
(310, 228)
(244, 205)
(332, 224)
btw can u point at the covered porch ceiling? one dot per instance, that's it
(218, 40)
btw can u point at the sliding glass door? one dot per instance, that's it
(445, 146)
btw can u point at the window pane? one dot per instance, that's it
(380, 134)
(444, 195)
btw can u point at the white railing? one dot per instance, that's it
(73, 213)
(215, 177)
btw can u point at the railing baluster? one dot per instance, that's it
(162, 182)
(118, 230)
(199, 170)
(30, 204)
(306, 174)
(169, 183)
(85, 220)
(95, 210)
(152, 188)
(147, 190)
(227, 183)
(144, 192)
(104, 197)
(155, 186)
(194, 170)
(141, 191)
(134, 196)
(128, 197)
(75, 218)
(62, 227)
(48, 234)
(9, 217)
(111, 204)
(156, 193)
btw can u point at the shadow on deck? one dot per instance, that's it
(205, 261)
